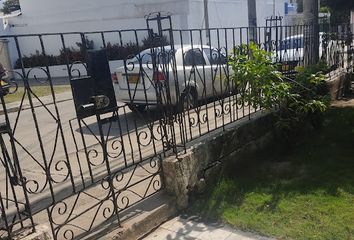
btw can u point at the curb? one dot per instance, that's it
(138, 227)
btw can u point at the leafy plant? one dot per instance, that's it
(256, 77)
(299, 99)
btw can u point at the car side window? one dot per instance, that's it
(298, 43)
(194, 57)
(214, 56)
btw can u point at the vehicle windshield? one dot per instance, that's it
(161, 56)
(292, 43)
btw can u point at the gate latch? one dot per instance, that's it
(97, 102)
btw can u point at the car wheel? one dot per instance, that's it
(137, 108)
(188, 99)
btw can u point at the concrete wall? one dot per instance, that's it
(191, 172)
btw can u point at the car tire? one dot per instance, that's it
(137, 108)
(188, 99)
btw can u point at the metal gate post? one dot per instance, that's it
(13, 171)
(167, 123)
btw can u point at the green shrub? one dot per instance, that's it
(298, 99)
(69, 55)
(119, 52)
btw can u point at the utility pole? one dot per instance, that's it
(311, 33)
(252, 20)
(206, 17)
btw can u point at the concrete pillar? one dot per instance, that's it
(5, 57)
(311, 38)
(252, 20)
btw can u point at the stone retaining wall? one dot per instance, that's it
(191, 171)
(339, 84)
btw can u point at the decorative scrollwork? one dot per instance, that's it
(62, 168)
(73, 70)
(145, 137)
(68, 234)
(227, 108)
(117, 146)
(60, 213)
(32, 186)
(44, 80)
(198, 118)
(157, 132)
(93, 157)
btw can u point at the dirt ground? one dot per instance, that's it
(347, 102)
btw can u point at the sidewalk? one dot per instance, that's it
(189, 228)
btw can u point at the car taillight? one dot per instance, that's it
(158, 76)
(114, 78)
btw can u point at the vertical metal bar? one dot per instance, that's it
(222, 102)
(58, 120)
(85, 150)
(121, 137)
(235, 93)
(182, 114)
(66, 55)
(188, 111)
(4, 217)
(77, 154)
(8, 177)
(108, 168)
(204, 81)
(228, 74)
(129, 137)
(213, 80)
(12, 140)
(103, 40)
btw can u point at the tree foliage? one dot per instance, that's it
(338, 4)
(339, 9)
(300, 6)
(8, 5)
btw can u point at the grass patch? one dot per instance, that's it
(40, 91)
(305, 193)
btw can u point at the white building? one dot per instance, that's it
(55, 16)
(40, 16)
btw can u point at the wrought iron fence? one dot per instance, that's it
(95, 156)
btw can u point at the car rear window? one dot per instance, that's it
(194, 57)
(161, 56)
(292, 43)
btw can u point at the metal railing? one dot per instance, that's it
(171, 87)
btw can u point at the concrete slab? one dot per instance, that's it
(182, 227)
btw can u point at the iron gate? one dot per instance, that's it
(80, 170)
